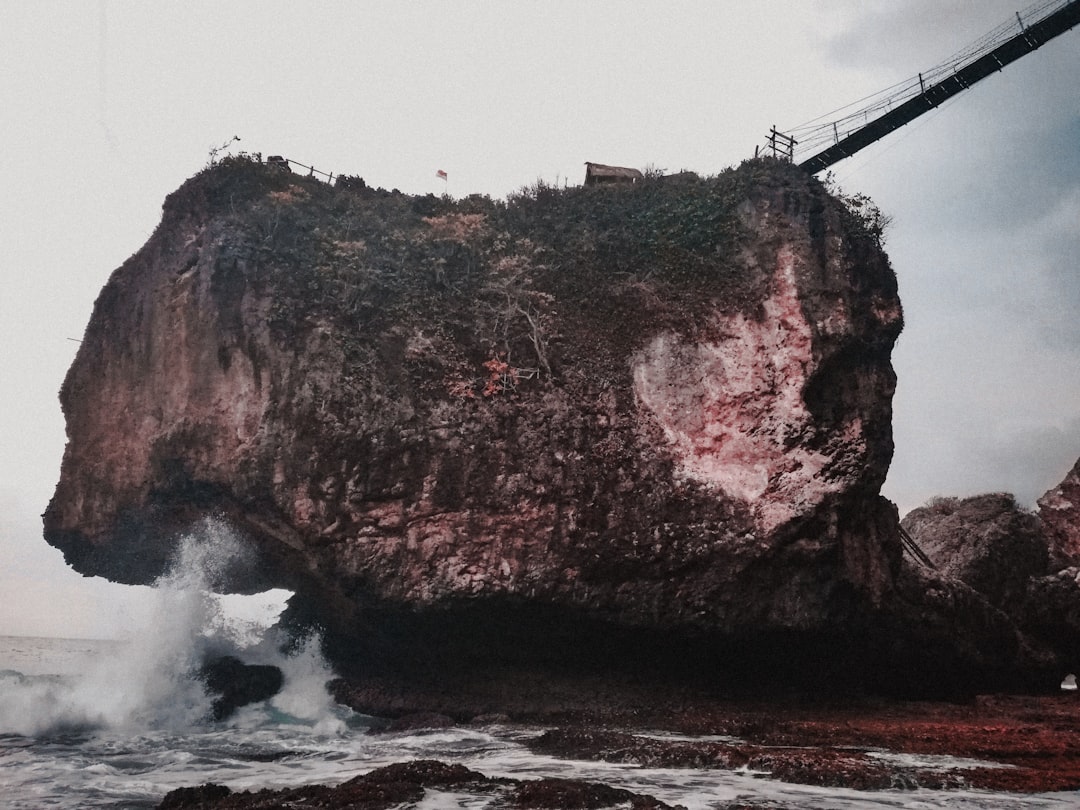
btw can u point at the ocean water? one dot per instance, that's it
(117, 724)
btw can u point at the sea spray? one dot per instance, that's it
(305, 695)
(150, 682)
(303, 699)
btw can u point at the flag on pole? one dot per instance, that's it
(440, 174)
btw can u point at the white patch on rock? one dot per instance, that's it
(732, 410)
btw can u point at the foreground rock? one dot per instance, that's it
(408, 782)
(1028, 745)
(601, 430)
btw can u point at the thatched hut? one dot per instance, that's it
(596, 173)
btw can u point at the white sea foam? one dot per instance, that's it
(304, 695)
(147, 682)
(115, 769)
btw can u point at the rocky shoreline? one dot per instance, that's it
(1001, 743)
(1006, 743)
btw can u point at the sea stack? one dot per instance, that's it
(628, 431)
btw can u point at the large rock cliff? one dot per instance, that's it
(643, 426)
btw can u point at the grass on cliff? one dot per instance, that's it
(491, 279)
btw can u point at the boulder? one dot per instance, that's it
(988, 542)
(235, 684)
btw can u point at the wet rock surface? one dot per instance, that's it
(993, 743)
(999, 743)
(408, 782)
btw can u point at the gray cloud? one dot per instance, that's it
(985, 193)
(909, 37)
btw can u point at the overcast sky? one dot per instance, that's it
(108, 106)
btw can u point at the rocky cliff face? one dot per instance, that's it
(988, 542)
(1059, 511)
(578, 428)
(999, 565)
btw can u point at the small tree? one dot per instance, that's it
(215, 151)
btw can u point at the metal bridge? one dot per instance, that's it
(829, 141)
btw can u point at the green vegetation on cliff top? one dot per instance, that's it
(367, 260)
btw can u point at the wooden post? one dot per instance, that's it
(781, 145)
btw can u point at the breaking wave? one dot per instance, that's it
(148, 682)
